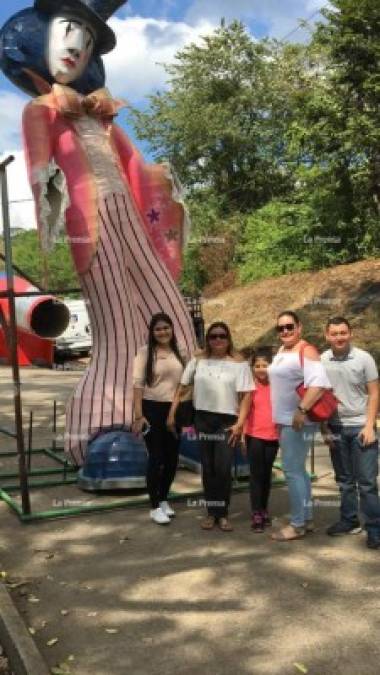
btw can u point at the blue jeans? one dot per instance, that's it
(295, 446)
(356, 468)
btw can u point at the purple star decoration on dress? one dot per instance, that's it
(171, 235)
(154, 216)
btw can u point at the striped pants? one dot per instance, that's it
(126, 284)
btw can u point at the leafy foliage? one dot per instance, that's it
(55, 270)
(277, 144)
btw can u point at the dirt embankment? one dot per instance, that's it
(349, 290)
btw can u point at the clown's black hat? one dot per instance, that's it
(96, 12)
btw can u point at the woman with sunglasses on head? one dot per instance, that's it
(158, 368)
(290, 413)
(222, 393)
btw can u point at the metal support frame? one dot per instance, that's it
(12, 336)
(64, 512)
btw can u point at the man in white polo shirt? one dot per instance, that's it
(353, 439)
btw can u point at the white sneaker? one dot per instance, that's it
(167, 509)
(159, 517)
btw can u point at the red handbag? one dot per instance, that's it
(325, 407)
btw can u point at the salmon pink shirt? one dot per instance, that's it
(259, 422)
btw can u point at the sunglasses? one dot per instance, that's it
(285, 326)
(218, 336)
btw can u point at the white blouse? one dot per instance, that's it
(217, 383)
(285, 374)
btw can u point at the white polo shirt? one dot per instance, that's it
(349, 375)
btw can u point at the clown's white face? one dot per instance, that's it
(70, 45)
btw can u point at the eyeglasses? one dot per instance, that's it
(218, 336)
(285, 326)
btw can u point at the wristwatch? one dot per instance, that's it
(302, 409)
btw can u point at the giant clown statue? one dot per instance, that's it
(124, 219)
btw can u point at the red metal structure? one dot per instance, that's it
(39, 320)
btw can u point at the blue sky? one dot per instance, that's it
(149, 32)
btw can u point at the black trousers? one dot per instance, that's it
(216, 457)
(162, 448)
(261, 455)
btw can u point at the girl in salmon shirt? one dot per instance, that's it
(260, 441)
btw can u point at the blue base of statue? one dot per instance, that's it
(116, 459)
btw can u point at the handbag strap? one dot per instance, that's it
(302, 354)
(195, 369)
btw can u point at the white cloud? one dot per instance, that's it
(133, 68)
(278, 16)
(11, 107)
(21, 213)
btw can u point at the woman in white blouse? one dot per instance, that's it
(290, 413)
(157, 372)
(222, 386)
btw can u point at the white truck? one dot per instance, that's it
(77, 337)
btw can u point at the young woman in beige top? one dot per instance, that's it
(158, 369)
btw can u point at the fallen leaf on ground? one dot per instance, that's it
(16, 584)
(52, 642)
(32, 630)
(300, 667)
(59, 670)
(32, 598)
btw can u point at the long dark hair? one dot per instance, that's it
(152, 345)
(219, 324)
(23, 41)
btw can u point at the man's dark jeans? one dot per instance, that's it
(356, 468)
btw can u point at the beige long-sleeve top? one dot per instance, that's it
(167, 372)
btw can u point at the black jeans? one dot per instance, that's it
(162, 448)
(261, 455)
(216, 457)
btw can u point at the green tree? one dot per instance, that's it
(27, 255)
(213, 123)
(334, 133)
(277, 144)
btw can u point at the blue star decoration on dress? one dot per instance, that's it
(171, 235)
(154, 216)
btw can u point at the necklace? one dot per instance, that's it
(215, 370)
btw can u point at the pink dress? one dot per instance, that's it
(125, 230)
